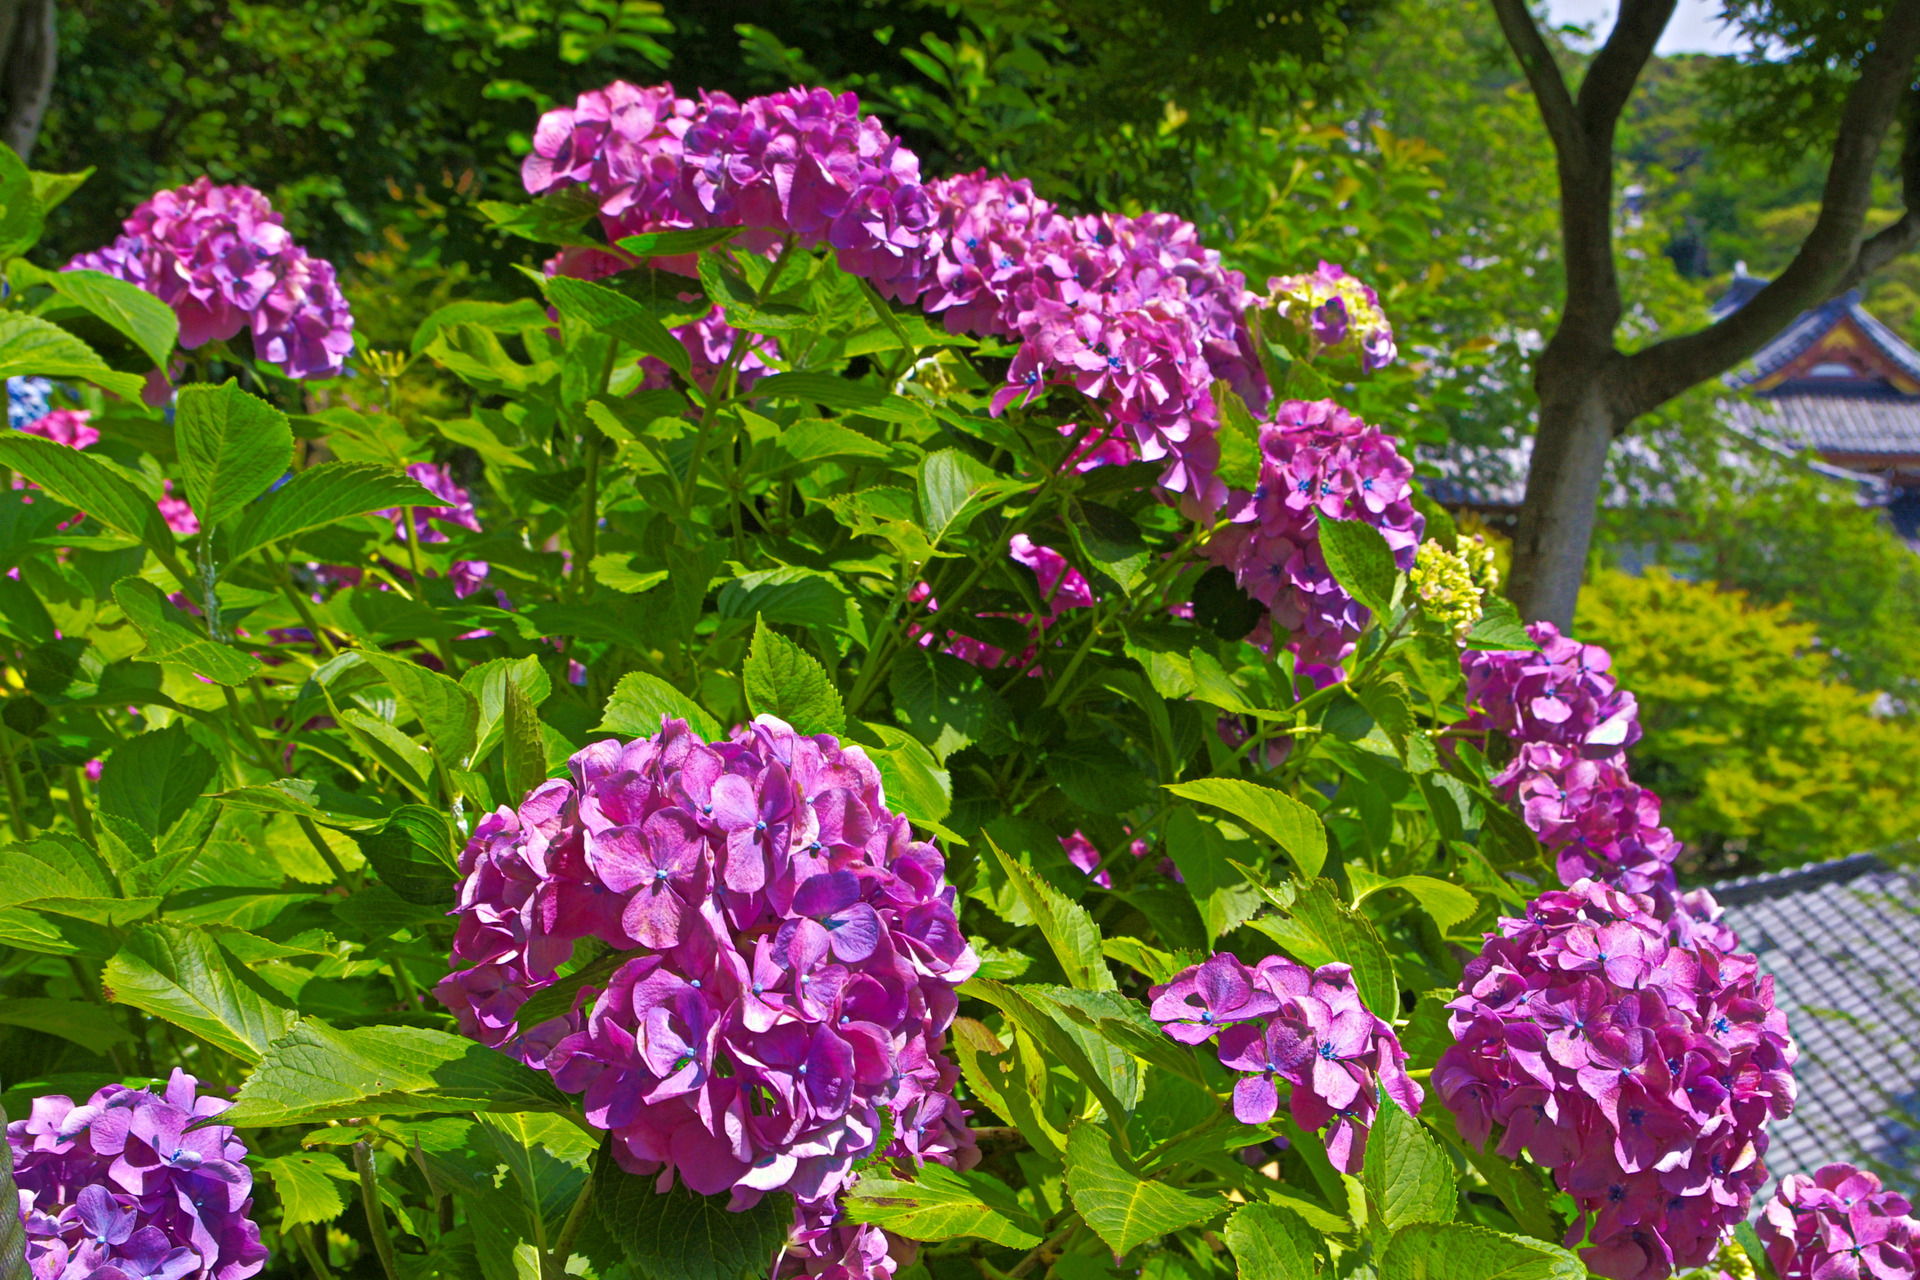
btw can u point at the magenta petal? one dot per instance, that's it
(1255, 1099)
(823, 894)
(734, 806)
(854, 932)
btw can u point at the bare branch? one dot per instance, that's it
(1828, 255)
(1543, 75)
(1616, 68)
(1881, 248)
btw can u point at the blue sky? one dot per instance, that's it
(1695, 28)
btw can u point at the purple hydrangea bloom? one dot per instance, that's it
(1840, 1224)
(1641, 1072)
(1561, 694)
(1317, 461)
(1280, 1021)
(221, 259)
(125, 1187)
(792, 958)
(1593, 821)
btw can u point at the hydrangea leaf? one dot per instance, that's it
(1288, 823)
(1319, 928)
(321, 495)
(80, 480)
(315, 1072)
(942, 1204)
(413, 854)
(667, 244)
(303, 798)
(184, 976)
(1124, 1209)
(141, 318)
(1027, 1008)
(1500, 628)
(449, 715)
(1205, 856)
(611, 312)
(488, 682)
(783, 680)
(639, 703)
(1408, 1175)
(1065, 924)
(91, 1026)
(790, 594)
(1461, 1251)
(954, 488)
(1097, 776)
(912, 779)
(678, 1235)
(170, 639)
(232, 447)
(13, 1232)
(306, 1184)
(1272, 1243)
(23, 215)
(524, 743)
(1360, 561)
(1110, 541)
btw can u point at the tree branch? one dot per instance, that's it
(28, 56)
(1610, 78)
(1881, 248)
(1543, 76)
(1832, 253)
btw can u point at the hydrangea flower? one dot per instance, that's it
(1317, 461)
(1451, 584)
(1639, 1071)
(1594, 822)
(28, 400)
(1061, 587)
(1561, 694)
(1280, 1021)
(64, 426)
(1338, 313)
(789, 958)
(221, 259)
(1839, 1224)
(130, 1186)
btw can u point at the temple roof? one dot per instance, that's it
(1838, 346)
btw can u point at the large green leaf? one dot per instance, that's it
(23, 215)
(668, 244)
(1500, 628)
(1408, 1175)
(814, 387)
(954, 488)
(1033, 1010)
(1065, 924)
(232, 446)
(1205, 857)
(941, 1204)
(152, 779)
(413, 854)
(1290, 824)
(321, 495)
(1097, 776)
(523, 743)
(141, 318)
(488, 685)
(90, 1025)
(1272, 1243)
(639, 703)
(184, 976)
(82, 481)
(308, 1185)
(1111, 541)
(304, 798)
(315, 1073)
(783, 680)
(912, 780)
(170, 639)
(679, 1235)
(448, 714)
(1321, 929)
(947, 703)
(613, 313)
(1124, 1209)
(1460, 1251)
(1361, 561)
(34, 348)
(790, 594)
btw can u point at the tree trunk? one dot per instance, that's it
(28, 52)
(1577, 425)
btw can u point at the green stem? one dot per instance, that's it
(327, 855)
(77, 805)
(718, 398)
(305, 1238)
(303, 607)
(376, 1218)
(570, 1230)
(16, 789)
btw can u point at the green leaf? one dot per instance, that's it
(671, 244)
(303, 798)
(1749, 1241)
(639, 703)
(942, 1204)
(1440, 526)
(13, 1233)
(448, 714)
(947, 703)
(143, 319)
(1500, 628)
(812, 387)
(678, 1235)
(89, 1025)
(791, 595)
(1272, 1243)
(1447, 903)
(232, 446)
(912, 779)
(23, 215)
(501, 317)
(1288, 823)
(783, 680)
(1097, 776)
(955, 487)
(321, 495)
(812, 440)
(613, 313)
(1460, 1251)
(1111, 541)
(488, 682)
(1239, 438)
(169, 639)
(413, 854)
(315, 1073)
(1408, 1174)
(1124, 1209)
(1205, 857)
(34, 348)
(151, 780)
(1030, 1009)
(555, 218)
(1361, 562)
(52, 189)
(183, 975)
(1321, 929)
(306, 1182)
(1065, 924)
(524, 742)
(84, 482)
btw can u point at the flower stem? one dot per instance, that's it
(16, 789)
(370, 1200)
(305, 1237)
(570, 1229)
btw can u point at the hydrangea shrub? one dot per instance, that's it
(895, 731)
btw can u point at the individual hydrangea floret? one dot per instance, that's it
(1839, 1224)
(1561, 694)
(791, 953)
(1340, 315)
(221, 259)
(132, 1185)
(1282, 1022)
(1594, 821)
(1317, 462)
(1641, 1073)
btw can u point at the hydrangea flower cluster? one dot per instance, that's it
(1133, 312)
(1317, 461)
(1281, 1021)
(70, 427)
(787, 957)
(1451, 584)
(126, 1187)
(1561, 694)
(1640, 1072)
(28, 400)
(1839, 1224)
(220, 258)
(1340, 315)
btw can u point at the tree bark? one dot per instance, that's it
(29, 50)
(1576, 428)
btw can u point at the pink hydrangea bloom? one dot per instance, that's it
(1839, 1224)
(790, 958)
(177, 512)
(1317, 462)
(133, 1184)
(65, 426)
(1280, 1021)
(221, 259)
(1561, 694)
(1593, 821)
(1640, 1071)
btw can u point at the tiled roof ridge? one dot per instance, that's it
(1774, 884)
